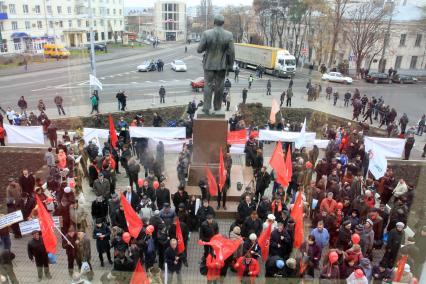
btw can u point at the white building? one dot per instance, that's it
(26, 25)
(170, 20)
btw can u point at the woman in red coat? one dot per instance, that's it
(247, 266)
(214, 267)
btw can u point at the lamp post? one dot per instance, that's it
(92, 40)
(386, 40)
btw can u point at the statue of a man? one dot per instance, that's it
(218, 47)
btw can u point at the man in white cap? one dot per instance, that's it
(396, 238)
(270, 219)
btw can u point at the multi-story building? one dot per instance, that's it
(141, 23)
(26, 25)
(170, 20)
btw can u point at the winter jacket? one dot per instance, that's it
(102, 188)
(214, 266)
(207, 231)
(252, 270)
(170, 257)
(102, 244)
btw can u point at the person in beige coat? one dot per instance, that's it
(78, 215)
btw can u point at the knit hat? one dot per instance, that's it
(271, 217)
(371, 222)
(253, 237)
(345, 223)
(291, 263)
(236, 230)
(400, 224)
(67, 189)
(407, 268)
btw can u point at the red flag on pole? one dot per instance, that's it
(289, 164)
(223, 247)
(222, 175)
(112, 133)
(237, 137)
(297, 215)
(134, 223)
(400, 268)
(46, 227)
(139, 275)
(179, 237)
(264, 240)
(211, 181)
(277, 163)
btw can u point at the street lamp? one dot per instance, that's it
(389, 6)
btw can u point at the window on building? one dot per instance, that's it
(413, 63)
(79, 23)
(37, 9)
(398, 62)
(418, 40)
(119, 12)
(27, 25)
(121, 22)
(96, 36)
(39, 24)
(49, 10)
(102, 36)
(87, 24)
(402, 39)
(14, 25)
(25, 9)
(109, 35)
(70, 23)
(101, 23)
(51, 24)
(69, 10)
(87, 36)
(113, 11)
(59, 9)
(1, 27)
(107, 11)
(61, 24)
(12, 9)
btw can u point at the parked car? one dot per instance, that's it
(336, 77)
(98, 47)
(376, 77)
(147, 66)
(178, 65)
(197, 85)
(404, 79)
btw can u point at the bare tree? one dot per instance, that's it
(364, 28)
(337, 10)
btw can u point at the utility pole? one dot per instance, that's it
(206, 15)
(92, 41)
(386, 40)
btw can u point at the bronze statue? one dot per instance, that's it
(218, 47)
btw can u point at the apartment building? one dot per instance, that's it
(26, 25)
(170, 20)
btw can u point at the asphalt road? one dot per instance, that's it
(72, 83)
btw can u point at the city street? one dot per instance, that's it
(120, 74)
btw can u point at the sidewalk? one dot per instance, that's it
(113, 53)
(173, 99)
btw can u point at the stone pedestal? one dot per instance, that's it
(209, 134)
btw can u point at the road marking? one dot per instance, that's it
(134, 82)
(120, 75)
(111, 76)
(127, 73)
(162, 81)
(148, 81)
(176, 80)
(102, 78)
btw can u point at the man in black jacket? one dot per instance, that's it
(162, 195)
(37, 251)
(180, 197)
(245, 208)
(204, 211)
(132, 197)
(174, 262)
(281, 243)
(252, 224)
(208, 229)
(396, 238)
(262, 182)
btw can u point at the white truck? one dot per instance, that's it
(276, 61)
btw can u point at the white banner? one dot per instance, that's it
(24, 134)
(158, 132)
(390, 147)
(11, 218)
(93, 81)
(284, 136)
(322, 144)
(170, 145)
(301, 140)
(90, 133)
(33, 225)
(237, 149)
(377, 162)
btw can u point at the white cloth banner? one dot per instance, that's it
(390, 147)
(91, 133)
(24, 134)
(377, 162)
(170, 145)
(284, 136)
(322, 144)
(93, 81)
(158, 132)
(10, 219)
(301, 140)
(237, 149)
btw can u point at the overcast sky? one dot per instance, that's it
(150, 3)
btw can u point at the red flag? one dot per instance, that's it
(289, 164)
(179, 237)
(237, 137)
(223, 247)
(139, 275)
(263, 241)
(46, 227)
(112, 132)
(277, 163)
(222, 175)
(400, 268)
(134, 223)
(211, 182)
(297, 215)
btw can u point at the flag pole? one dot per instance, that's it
(63, 236)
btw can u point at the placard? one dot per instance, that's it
(28, 227)
(11, 218)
